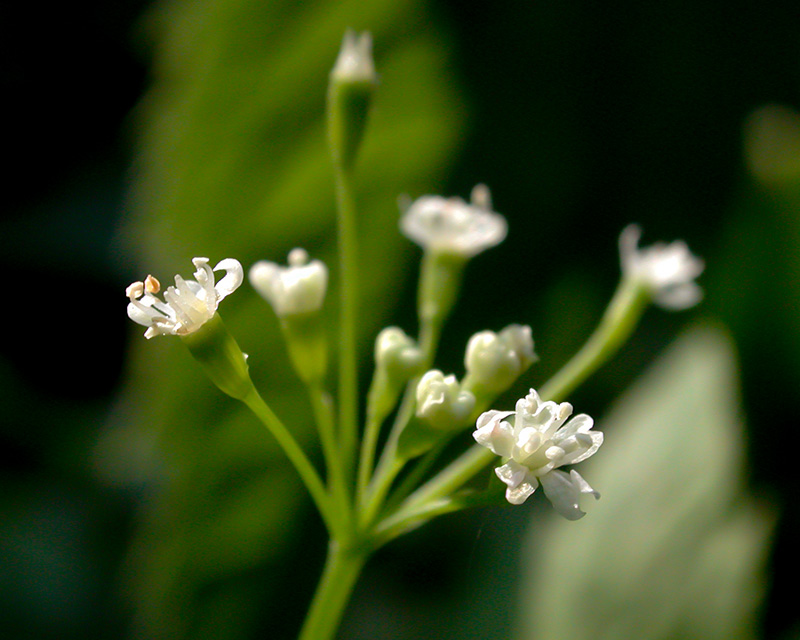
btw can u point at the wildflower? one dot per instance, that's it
(293, 290)
(495, 360)
(451, 226)
(541, 440)
(188, 305)
(667, 270)
(441, 401)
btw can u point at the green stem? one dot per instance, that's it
(369, 445)
(617, 324)
(322, 406)
(407, 519)
(342, 568)
(466, 466)
(298, 458)
(348, 309)
(415, 476)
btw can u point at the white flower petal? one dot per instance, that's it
(680, 297)
(520, 493)
(494, 433)
(511, 473)
(668, 271)
(233, 278)
(450, 225)
(591, 443)
(564, 492)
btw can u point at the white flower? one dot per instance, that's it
(188, 305)
(441, 402)
(450, 225)
(355, 59)
(668, 270)
(298, 288)
(540, 441)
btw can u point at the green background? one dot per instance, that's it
(137, 502)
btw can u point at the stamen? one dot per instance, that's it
(298, 257)
(151, 284)
(135, 290)
(481, 197)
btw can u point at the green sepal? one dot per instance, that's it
(217, 351)
(307, 344)
(348, 108)
(440, 283)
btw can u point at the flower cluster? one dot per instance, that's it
(377, 485)
(541, 440)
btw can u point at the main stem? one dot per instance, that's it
(342, 569)
(348, 310)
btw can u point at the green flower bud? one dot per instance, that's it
(442, 403)
(494, 361)
(397, 360)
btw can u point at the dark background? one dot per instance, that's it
(587, 116)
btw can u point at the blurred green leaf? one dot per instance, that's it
(233, 163)
(674, 548)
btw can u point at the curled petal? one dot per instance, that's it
(679, 297)
(494, 433)
(233, 278)
(520, 493)
(588, 444)
(564, 492)
(512, 473)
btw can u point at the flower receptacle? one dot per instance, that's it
(213, 346)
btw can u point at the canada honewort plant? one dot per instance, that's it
(366, 496)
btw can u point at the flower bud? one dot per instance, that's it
(494, 361)
(442, 403)
(397, 360)
(352, 83)
(297, 289)
(397, 353)
(296, 294)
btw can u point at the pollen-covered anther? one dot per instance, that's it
(151, 284)
(135, 290)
